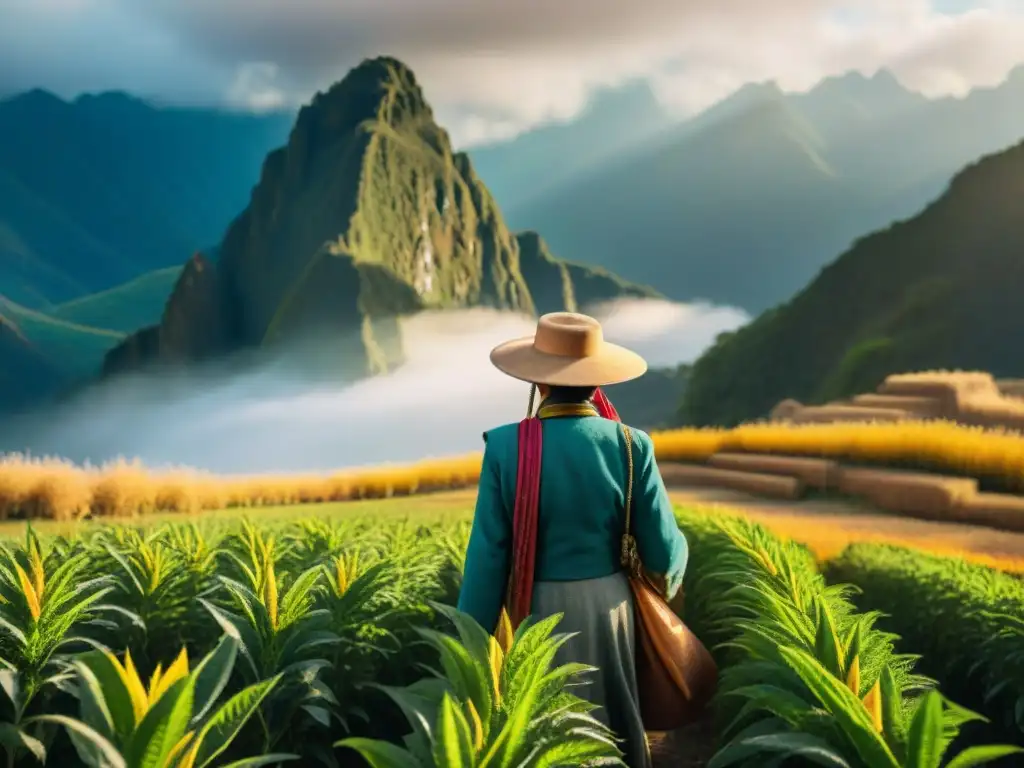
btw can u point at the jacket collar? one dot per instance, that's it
(554, 410)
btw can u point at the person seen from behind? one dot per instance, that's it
(580, 515)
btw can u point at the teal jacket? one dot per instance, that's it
(580, 514)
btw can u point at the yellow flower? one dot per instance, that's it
(505, 631)
(38, 572)
(270, 591)
(33, 598)
(161, 681)
(873, 704)
(478, 726)
(496, 658)
(132, 681)
(853, 676)
(143, 699)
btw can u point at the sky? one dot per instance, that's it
(496, 67)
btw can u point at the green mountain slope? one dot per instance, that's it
(695, 219)
(42, 357)
(745, 203)
(365, 216)
(25, 374)
(126, 307)
(940, 290)
(46, 353)
(100, 190)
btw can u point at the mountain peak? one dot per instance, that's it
(110, 99)
(365, 216)
(38, 98)
(373, 84)
(635, 98)
(381, 90)
(1016, 75)
(857, 84)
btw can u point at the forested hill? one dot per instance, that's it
(940, 290)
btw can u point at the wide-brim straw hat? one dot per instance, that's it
(567, 350)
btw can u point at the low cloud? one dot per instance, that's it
(493, 67)
(438, 404)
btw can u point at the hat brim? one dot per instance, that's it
(611, 365)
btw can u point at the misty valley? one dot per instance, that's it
(280, 375)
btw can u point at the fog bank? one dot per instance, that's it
(272, 420)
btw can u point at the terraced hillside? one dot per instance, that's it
(972, 398)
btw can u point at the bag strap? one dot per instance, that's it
(630, 557)
(519, 589)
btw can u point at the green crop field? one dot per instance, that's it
(285, 638)
(967, 621)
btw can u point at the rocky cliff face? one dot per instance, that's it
(366, 215)
(562, 285)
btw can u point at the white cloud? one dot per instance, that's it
(254, 88)
(496, 66)
(438, 404)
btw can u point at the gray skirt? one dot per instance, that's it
(600, 612)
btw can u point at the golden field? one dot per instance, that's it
(54, 489)
(940, 445)
(58, 490)
(827, 540)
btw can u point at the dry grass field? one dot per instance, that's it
(46, 488)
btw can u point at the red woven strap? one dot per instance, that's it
(524, 521)
(604, 406)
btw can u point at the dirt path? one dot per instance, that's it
(689, 747)
(827, 525)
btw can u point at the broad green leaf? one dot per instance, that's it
(826, 642)
(892, 703)
(924, 747)
(225, 723)
(983, 755)
(256, 762)
(116, 696)
(212, 673)
(453, 742)
(111, 757)
(381, 754)
(420, 703)
(14, 738)
(234, 630)
(739, 748)
(470, 677)
(574, 750)
(92, 704)
(13, 631)
(770, 698)
(10, 683)
(803, 745)
(845, 707)
(162, 726)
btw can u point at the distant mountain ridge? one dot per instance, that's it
(746, 202)
(366, 215)
(98, 190)
(614, 121)
(937, 291)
